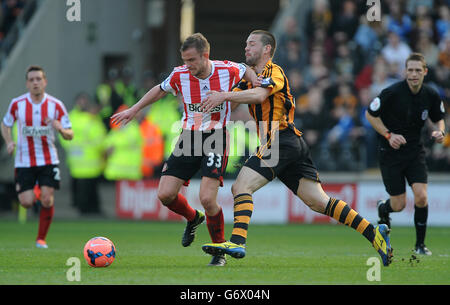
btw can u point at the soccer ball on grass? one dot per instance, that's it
(99, 252)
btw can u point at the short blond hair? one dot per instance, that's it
(197, 41)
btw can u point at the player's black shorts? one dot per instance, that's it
(294, 161)
(26, 177)
(396, 166)
(199, 150)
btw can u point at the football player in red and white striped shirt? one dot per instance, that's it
(191, 82)
(38, 115)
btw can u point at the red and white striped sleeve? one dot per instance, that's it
(172, 82)
(11, 115)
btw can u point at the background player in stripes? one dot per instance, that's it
(191, 82)
(271, 104)
(38, 115)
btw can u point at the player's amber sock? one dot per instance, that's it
(340, 211)
(216, 227)
(243, 209)
(45, 220)
(182, 207)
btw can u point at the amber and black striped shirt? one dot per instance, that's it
(278, 108)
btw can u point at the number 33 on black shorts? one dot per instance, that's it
(212, 163)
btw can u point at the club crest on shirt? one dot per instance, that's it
(267, 82)
(424, 115)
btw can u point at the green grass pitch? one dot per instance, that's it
(151, 253)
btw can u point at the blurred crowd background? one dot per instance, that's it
(9, 11)
(341, 62)
(337, 62)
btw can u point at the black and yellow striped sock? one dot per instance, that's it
(340, 211)
(243, 209)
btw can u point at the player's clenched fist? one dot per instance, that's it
(396, 141)
(10, 147)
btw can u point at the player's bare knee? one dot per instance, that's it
(421, 200)
(238, 188)
(207, 200)
(316, 205)
(166, 197)
(26, 204)
(46, 199)
(314, 202)
(210, 205)
(47, 202)
(234, 189)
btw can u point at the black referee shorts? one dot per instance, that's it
(294, 161)
(397, 167)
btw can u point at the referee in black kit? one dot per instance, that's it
(398, 115)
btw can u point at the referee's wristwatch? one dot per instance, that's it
(387, 135)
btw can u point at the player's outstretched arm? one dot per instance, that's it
(127, 115)
(251, 96)
(6, 134)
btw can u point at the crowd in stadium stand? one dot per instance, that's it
(343, 61)
(336, 68)
(9, 10)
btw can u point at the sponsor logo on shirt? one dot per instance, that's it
(34, 131)
(195, 108)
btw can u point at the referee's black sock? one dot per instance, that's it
(420, 221)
